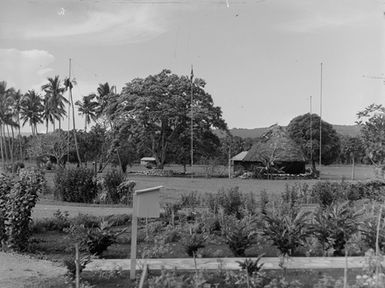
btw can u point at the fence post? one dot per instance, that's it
(77, 264)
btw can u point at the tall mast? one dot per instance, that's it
(69, 113)
(192, 122)
(311, 132)
(320, 126)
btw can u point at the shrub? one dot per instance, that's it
(251, 266)
(287, 230)
(15, 167)
(18, 197)
(192, 242)
(59, 222)
(240, 234)
(111, 182)
(75, 185)
(334, 225)
(326, 193)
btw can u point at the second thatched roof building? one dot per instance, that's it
(274, 151)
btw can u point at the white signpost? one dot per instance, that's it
(145, 205)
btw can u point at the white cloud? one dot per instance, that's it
(312, 16)
(24, 69)
(128, 24)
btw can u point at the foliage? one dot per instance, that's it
(192, 242)
(352, 148)
(75, 185)
(59, 222)
(17, 198)
(54, 145)
(110, 186)
(372, 123)
(155, 111)
(251, 266)
(231, 201)
(69, 262)
(99, 239)
(299, 130)
(286, 228)
(240, 234)
(334, 225)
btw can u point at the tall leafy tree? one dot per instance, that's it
(31, 110)
(17, 99)
(372, 123)
(309, 138)
(54, 103)
(156, 111)
(87, 108)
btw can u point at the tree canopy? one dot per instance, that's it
(299, 130)
(156, 111)
(372, 123)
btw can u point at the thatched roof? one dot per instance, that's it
(275, 146)
(240, 156)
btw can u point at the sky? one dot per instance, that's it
(261, 59)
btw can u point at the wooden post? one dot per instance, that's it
(353, 168)
(134, 231)
(143, 277)
(77, 264)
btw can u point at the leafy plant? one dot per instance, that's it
(240, 234)
(111, 182)
(18, 197)
(334, 225)
(75, 185)
(192, 242)
(251, 266)
(288, 230)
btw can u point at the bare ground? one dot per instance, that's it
(18, 270)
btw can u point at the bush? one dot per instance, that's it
(59, 222)
(111, 182)
(17, 198)
(251, 266)
(287, 230)
(192, 242)
(240, 234)
(15, 167)
(231, 201)
(333, 226)
(75, 185)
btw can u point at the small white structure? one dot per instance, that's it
(147, 160)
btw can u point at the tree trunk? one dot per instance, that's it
(46, 126)
(2, 148)
(59, 123)
(21, 151)
(10, 147)
(6, 152)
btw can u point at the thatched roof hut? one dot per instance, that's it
(275, 149)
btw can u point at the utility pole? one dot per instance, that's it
(192, 122)
(320, 127)
(69, 113)
(311, 132)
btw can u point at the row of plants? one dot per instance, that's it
(82, 185)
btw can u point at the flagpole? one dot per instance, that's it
(192, 123)
(320, 127)
(311, 132)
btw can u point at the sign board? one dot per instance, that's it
(145, 205)
(148, 203)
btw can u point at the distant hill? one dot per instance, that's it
(346, 130)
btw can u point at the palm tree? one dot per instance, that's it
(55, 100)
(104, 91)
(5, 112)
(17, 99)
(48, 112)
(87, 108)
(31, 110)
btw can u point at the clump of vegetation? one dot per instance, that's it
(18, 196)
(240, 234)
(193, 242)
(75, 185)
(109, 186)
(251, 266)
(286, 228)
(333, 226)
(59, 222)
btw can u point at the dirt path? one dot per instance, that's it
(16, 270)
